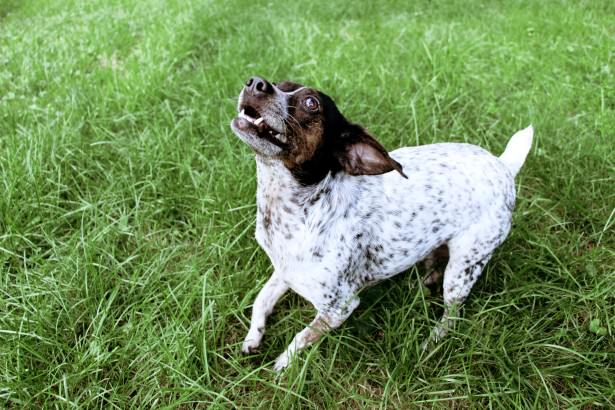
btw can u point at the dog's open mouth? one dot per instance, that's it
(258, 124)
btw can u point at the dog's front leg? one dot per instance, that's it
(323, 323)
(263, 306)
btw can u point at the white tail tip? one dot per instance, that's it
(517, 149)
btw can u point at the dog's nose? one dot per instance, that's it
(258, 86)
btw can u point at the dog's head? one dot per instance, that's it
(303, 128)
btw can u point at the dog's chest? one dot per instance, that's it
(330, 231)
(279, 224)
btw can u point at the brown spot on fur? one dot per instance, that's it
(267, 218)
(305, 146)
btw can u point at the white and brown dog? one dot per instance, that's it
(333, 219)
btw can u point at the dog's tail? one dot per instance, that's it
(517, 149)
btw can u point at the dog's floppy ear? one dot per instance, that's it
(360, 154)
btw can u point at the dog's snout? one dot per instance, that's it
(258, 86)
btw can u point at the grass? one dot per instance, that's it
(127, 258)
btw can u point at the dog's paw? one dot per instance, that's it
(250, 346)
(427, 345)
(436, 335)
(281, 362)
(252, 341)
(433, 278)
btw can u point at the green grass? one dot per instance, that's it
(127, 258)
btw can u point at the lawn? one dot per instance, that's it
(128, 263)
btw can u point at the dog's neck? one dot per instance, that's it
(286, 207)
(282, 199)
(276, 181)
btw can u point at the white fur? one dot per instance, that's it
(517, 149)
(327, 242)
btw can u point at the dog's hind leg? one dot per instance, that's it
(263, 306)
(458, 281)
(469, 253)
(323, 323)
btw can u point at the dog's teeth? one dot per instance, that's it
(281, 137)
(258, 121)
(246, 117)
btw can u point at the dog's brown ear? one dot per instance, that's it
(361, 154)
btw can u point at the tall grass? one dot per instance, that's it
(127, 258)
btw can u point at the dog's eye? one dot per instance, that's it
(311, 103)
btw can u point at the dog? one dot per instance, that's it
(337, 213)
